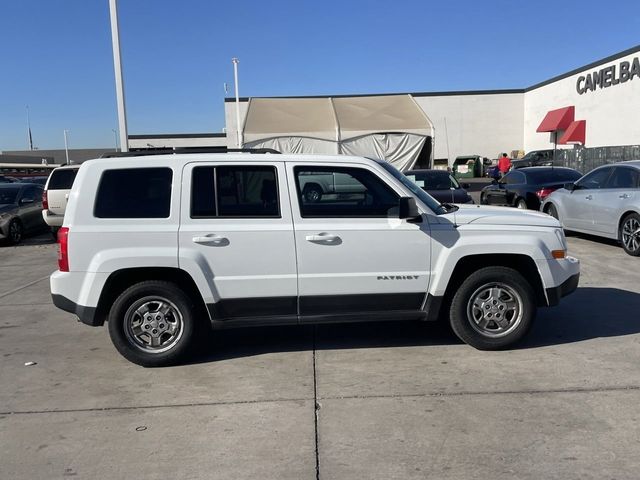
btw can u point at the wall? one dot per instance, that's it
(612, 113)
(477, 124)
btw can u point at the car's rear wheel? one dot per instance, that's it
(16, 231)
(152, 323)
(551, 210)
(521, 204)
(483, 199)
(630, 234)
(493, 308)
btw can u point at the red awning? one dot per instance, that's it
(575, 133)
(558, 119)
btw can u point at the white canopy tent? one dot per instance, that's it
(389, 127)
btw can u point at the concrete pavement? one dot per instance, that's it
(381, 400)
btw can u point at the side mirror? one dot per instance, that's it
(570, 186)
(408, 208)
(466, 186)
(26, 201)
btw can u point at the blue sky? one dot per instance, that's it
(55, 55)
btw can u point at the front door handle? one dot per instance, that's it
(624, 195)
(589, 197)
(211, 239)
(324, 238)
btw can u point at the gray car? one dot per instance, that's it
(604, 202)
(20, 211)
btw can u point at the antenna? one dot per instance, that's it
(455, 221)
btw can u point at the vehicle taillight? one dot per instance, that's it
(63, 249)
(544, 193)
(45, 200)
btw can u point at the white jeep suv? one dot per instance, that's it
(162, 246)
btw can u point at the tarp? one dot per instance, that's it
(389, 127)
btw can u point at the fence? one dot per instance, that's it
(586, 159)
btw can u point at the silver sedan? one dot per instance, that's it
(604, 202)
(20, 211)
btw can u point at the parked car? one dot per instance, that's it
(527, 187)
(20, 205)
(6, 179)
(315, 185)
(441, 185)
(56, 194)
(37, 180)
(534, 158)
(165, 246)
(604, 202)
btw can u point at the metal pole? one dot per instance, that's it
(115, 136)
(66, 146)
(29, 137)
(117, 66)
(235, 62)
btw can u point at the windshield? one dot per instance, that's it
(433, 180)
(424, 197)
(8, 195)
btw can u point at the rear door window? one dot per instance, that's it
(624, 177)
(134, 193)
(234, 192)
(62, 179)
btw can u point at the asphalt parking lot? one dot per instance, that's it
(384, 400)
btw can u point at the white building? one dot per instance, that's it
(604, 94)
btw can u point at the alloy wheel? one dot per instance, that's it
(153, 324)
(495, 309)
(631, 234)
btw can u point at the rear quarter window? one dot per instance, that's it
(134, 193)
(62, 179)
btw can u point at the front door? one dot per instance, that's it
(355, 256)
(236, 227)
(578, 205)
(617, 197)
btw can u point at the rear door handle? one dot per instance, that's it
(211, 239)
(589, 197)
(624, 195)
(323, 238)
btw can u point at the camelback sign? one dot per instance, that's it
(609, 76)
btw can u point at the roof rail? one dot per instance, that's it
(176, 150)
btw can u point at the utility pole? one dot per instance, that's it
(29, 136)
(235, 62)
(66, 146)
(117, 66)
(115, 137)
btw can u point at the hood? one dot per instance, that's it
(487, 215)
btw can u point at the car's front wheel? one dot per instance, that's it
(16, 231)
(493, 308)
(521, 204)
(152, 323)
(630, 234)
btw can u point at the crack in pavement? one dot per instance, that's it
(2, 295)
(628, 388)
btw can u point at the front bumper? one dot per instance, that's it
(567, 287)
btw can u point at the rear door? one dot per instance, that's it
(355, 256)
(58, 187)
(236, 227)
(615, 198)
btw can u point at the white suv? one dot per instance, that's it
(163, 246)
(56, 195)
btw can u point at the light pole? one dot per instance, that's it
(117, 66)
(66, 146)
(115, 137)
(235, 62)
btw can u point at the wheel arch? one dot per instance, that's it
(122, 279)
(523, 264)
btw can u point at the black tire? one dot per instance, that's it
(180, 315)
(483, 199)
(629, 234)
(16, 232)
(521, 203)
(54, 233)
(512, 284)
(312, 193)
(553, 211)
